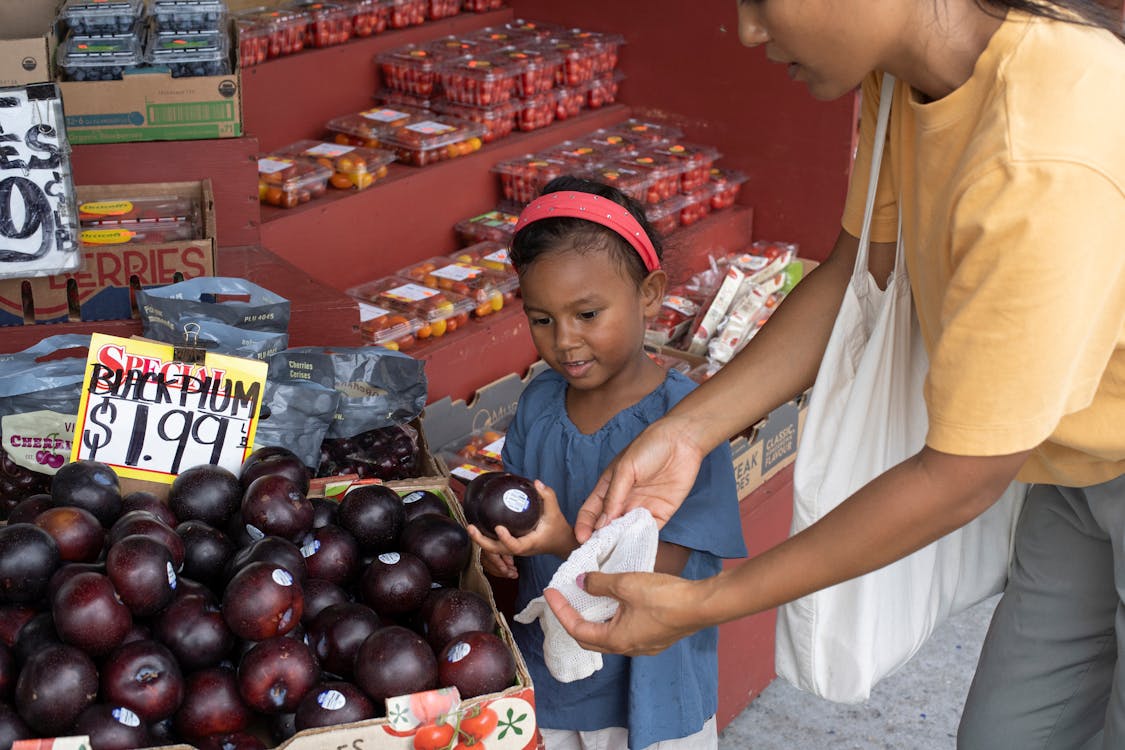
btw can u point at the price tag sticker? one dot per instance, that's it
(150, 417)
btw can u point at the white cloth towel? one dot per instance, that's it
(626, 545)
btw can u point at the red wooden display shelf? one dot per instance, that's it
(346, 238)
(290, 98)
(746, 664)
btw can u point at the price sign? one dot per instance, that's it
(38, 221)
(150, 416)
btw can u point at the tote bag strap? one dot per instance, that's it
(885, 96)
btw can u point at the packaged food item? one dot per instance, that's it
(285, 182)
(704, 371)
(522, 178)
(328, 23)
(476, 454)
(603, 48)
(578, 59)
(93, 17)
(535, 30)
(479, 80)
(603, 89)
(673, 320)
(491, 255)
(387, 328)
(670, 361)
(489, 290)
(569, 101)
(634, 183)
(106, 58)
(696, 206)
(764, 259)
(578, 154)
(663, 170)
(747, 315)
(353, 167)
(481, 6)
(438, 9)
(493, 226)
(194, 53)
(498, 120)
(441, 312)
(395, 99)
(368, 16)
(406, 13)
(178, 16)
(414, 68)
(714, 310)
(696, 162)
(665, 215)
(432, 139)
(253, 41)
(611, 144)
(134, 210)
(136, 233)
(537, 70)
(284, 28)
(728, 184)
(364, 128)
(642, 131)
(537, 111)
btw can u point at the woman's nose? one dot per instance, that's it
(751, 31)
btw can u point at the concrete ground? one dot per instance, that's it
(917, 708)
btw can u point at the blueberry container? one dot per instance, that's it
(84, 58)
(178, 16)
(85, 17)
(196, 53)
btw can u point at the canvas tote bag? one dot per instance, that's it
(866, 414)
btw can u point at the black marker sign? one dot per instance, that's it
(38, 221)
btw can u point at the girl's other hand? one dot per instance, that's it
(552, 535)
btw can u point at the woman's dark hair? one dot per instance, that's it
(565, 233)
(1086, 12)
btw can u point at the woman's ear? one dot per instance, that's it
(652, 292)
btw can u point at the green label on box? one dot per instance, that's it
(189, 132)
(191, 112)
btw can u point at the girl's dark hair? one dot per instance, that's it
(566, 233)
(1086, 12)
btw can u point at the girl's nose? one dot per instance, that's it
(565, 336)
(751, 31)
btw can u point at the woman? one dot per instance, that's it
(1006, 157)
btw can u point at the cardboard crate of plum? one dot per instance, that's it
(246, 611)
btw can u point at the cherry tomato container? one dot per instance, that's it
(96, 17)
(397, 99)
(578, 59)
(99, 58)
(488, 290)
(369, 17)
(641, 131)
(533, 30)
(439, 9)
(329, 24)
(412, 69)
(479, 80)
(178, 16)
(580, 153)
(569, 101)
(697, 205)
(491, 226)
(728, 184)
(365, 128)
(522, 178)
(286, 183)
(134, 210)
(676, 314)
(353, 167)
(439, 311)
(635, 183)
(664, 170)
(491, 255)
(603, 89)
(535, 112)
(495, 38)
(191, 53)
(498, 120)
(610, 144)
(665, 216)
(406, 13)
(387, 328)
(696, 159)
(481, 6)
(603, 48)
(284, 28)
(537, 70)
(253, 41)
(432, 138)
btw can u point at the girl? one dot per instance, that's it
(589, 268)
(1005, 158)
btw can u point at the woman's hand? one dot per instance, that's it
(551, 535)
(498, 564)
(656, 471)
(656, 611)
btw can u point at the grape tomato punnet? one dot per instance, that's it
(647, 132)
(727, 183)
(440, 311)
(489, 290)
(353, 167)
(387, 328)
(285, 182)
(522, 178)
(496, 226)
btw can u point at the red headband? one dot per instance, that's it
(579, 205)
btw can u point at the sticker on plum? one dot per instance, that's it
(171, 572)
(410, 293)
(457, 272)
(390, 558)
(311, 548)
(282, 577)
(458, 651)
(331, 150)
(516, 501)
(126, 717)
(429, 127)
(331, 700)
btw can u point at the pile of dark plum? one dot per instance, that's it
(239, 609)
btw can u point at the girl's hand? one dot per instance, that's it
(552, 535)
(498, 564)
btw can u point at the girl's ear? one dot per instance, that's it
(652, 292)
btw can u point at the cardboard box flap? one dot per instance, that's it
(491, 406)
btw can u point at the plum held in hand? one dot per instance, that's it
(502, 499)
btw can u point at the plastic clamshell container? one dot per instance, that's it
(604, 48)
(494, 226)
(106, 58)
(578, 59)
(132, 210)
(136, 232)
(603, 89)
(387, 328)
(522, 179)
(329, 24)
(498, 120)
(641, 131)
(101, 16)
(728, 184)
(481, 6)
(493, 38)
(481, 81)
(439, 9)
(412, 69)
(195, 53)
(580, 153)
(285, 182)
(539, 111)
(665, 171)
(665, 216)
(368, 16)
(284, 28)
(569, 101)
(487, 289)
(635, 183)
(474, 455)
(521, 27)
(365, 128)
(187, 15)
(611, 144)
(393, 99)
(406, 13)
(670, 361)
(434, 138)
(253, 41)
(440, 312)
(353, 167)
(537, 70)
(491, 255)
(697, 205)
(697, 161)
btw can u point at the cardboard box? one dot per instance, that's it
(27, 41)
(769, 446)
(153, 106)
(102, 288)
